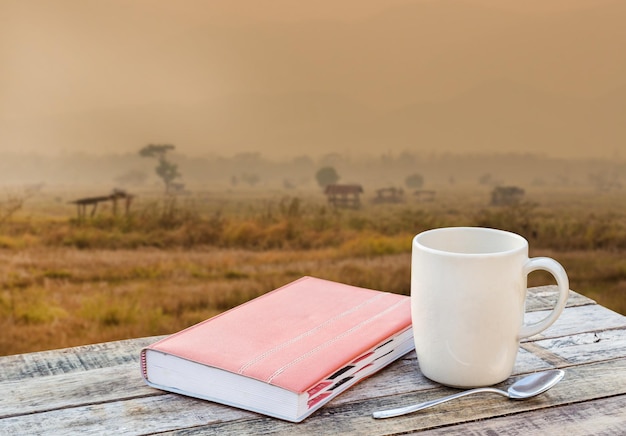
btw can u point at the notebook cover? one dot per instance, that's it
(295, 335)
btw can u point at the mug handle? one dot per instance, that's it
(554, 268)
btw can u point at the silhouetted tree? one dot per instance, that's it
(13, 203)
(326, 176)
(166, 170)
(414, 181)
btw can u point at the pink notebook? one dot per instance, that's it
(286, 353)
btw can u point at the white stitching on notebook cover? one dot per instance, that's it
(279, 347)
(336, 338)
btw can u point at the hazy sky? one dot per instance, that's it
(293, 77)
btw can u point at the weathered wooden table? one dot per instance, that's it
(97, 389)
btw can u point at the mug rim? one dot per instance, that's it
(523, 243)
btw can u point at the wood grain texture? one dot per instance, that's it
(580, 385)
(606, 416)
(591, 318)
(98, 389)
(69, 360)
(545, 297)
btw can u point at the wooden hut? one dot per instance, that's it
(506, 195)
(389, 195)
(344, 195)
(114, 197)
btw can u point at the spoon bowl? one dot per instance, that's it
(526, 387)
(534, 384)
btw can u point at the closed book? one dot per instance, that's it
(286, 353)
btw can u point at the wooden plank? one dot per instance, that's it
(41, 394)
(124, 382)
(606, 416)
(188, 416)
(580, 385)
(577, 319)
(131, 417)
(69, 360)
(585, 347)
(544, 298)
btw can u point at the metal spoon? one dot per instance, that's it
(529, 386)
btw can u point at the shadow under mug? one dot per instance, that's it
(468, 293)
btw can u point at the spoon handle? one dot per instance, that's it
(415, 407)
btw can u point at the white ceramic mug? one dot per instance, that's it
(468, 292)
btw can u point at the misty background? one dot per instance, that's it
(534, 92)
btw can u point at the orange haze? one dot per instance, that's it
(285, 77)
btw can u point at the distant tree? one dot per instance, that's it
(326, 176)
(9, 207)
(506, 195)
(414, 181)
(14, 202)
(166, 170)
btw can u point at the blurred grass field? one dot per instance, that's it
(175, 261)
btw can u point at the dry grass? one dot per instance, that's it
(169, 265)
(63, 297)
